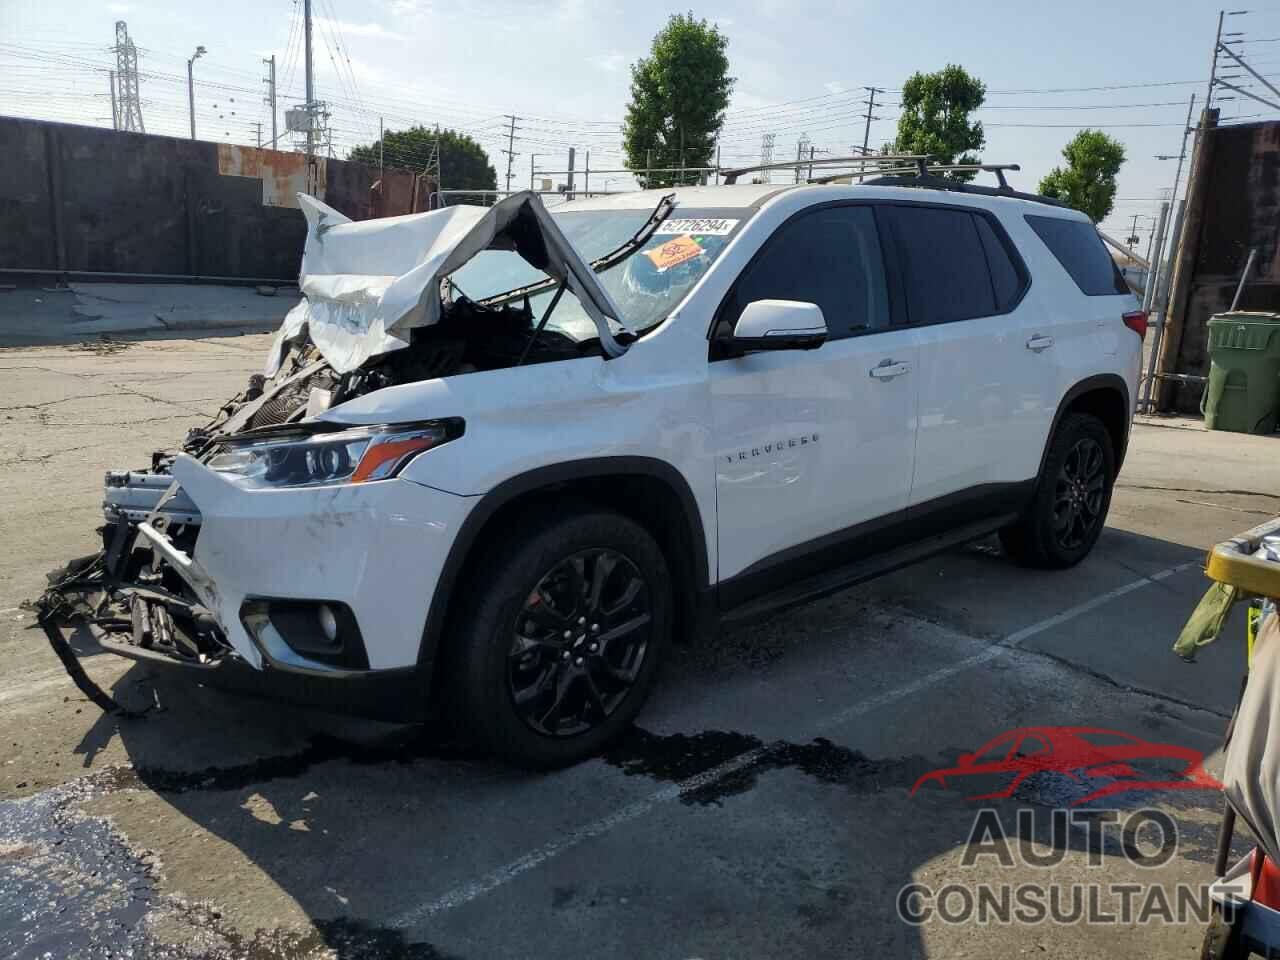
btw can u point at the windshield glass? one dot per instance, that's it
(646, 286)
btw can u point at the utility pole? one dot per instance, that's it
(682, 156)
(310, 81)
(511, 144)
(1171, 320)
(270, 98)
(1133, 231)
(382, 167)
(259, 126)
(869, 115)
(129, 107)
(115, 110)
(191, 86)
(801, 146)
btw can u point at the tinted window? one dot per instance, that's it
(1005, 279)
(946, 269)
(829, 257)
(1079, 249)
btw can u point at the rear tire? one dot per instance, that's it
(1073, 493)
(561, 636)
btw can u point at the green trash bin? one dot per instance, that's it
(1243, 392)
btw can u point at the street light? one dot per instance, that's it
(191, 87)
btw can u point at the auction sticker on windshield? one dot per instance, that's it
(704, 226)
(673, 252)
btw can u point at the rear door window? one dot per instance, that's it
(944, 263)
(1076, 245)
(830, 257)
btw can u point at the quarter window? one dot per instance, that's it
(830, 257)
(947, 277)
(1076, 245)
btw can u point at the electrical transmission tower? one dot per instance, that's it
(766, 155)
(128, 102)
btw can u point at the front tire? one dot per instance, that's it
(1069, 508)
(561, 636)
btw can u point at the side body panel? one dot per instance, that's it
(808, 443)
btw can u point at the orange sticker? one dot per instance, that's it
(674, 252)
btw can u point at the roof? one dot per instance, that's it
(748, 195)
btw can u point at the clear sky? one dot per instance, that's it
(562, 65)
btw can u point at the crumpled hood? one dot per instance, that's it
(366, 284)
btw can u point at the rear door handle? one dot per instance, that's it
(1038, 343)
(888, 369)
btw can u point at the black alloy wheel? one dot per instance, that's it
(1079, 494)
(1068, 509)
(561, 631)
(579, 643)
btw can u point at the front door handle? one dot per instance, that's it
(888, 369)
(1038, 343)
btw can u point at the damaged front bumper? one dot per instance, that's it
(317, 595)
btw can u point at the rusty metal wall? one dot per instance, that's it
(87, 199)
(1242, 211)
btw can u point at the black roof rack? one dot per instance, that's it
(906, 160)
(901, 170)
(927, 176)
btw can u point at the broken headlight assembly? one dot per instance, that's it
(324, 456)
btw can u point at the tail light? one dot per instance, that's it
(1136, 320)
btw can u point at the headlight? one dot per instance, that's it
(315, 457)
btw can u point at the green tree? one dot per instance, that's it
(1088, 182)
(463, 163)
(935, 116)
(678, 97)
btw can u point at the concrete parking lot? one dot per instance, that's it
(761, 807)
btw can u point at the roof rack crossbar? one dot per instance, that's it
(731, 176)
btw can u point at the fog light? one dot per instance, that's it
(328, 622)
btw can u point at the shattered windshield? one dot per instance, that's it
(646, 286)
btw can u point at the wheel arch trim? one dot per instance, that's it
(1098, 382)
(547, 477)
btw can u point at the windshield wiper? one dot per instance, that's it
(610, 259)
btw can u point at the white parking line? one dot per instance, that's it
(1015, 639)
(632, 811)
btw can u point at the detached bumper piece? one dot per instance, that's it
(143, 592)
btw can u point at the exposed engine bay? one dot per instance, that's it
(141, 591)
(130, 589)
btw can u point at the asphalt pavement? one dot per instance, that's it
(761, 807)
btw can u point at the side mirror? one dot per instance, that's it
(777, 325)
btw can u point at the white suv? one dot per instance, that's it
(501, 457)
